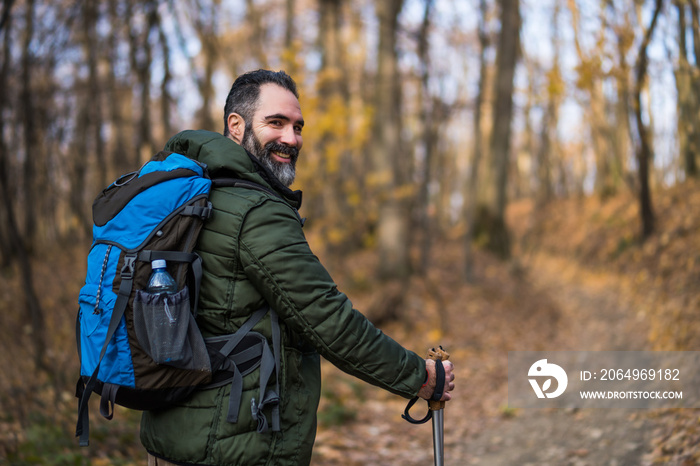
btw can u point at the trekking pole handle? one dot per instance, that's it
(438, 354)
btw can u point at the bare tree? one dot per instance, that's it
(644, 151)
(332, 88)
(548, 136)
(387, 153)
(254, 17)
(94, 108)
(478, 149)
(491, 214)
(686, 79)
(141, 57)
(205, 24)
(29, 127)
(590, 80)
(17, 241)
(166, 99)
(427, 107)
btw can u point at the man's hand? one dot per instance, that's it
(429, 387)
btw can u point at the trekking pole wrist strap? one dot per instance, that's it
(439, 381)
(435, 398)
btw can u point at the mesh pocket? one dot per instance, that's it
(166, 330)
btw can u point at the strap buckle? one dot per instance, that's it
(127, 272)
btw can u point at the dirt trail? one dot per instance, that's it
(572, 310)
(594, 316)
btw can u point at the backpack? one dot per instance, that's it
(128, 355)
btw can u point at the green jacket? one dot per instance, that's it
(254, 252)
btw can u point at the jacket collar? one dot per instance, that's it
(225, 158)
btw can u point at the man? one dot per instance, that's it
(254, 253)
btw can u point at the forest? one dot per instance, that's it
(494, 175)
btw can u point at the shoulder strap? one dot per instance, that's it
(235, 182)
(238, 183)
(83, 427)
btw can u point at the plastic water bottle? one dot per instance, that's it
(162, 283)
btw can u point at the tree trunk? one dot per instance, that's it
(694, 111)
(206, 30)
(388, 157)
(15, 239)
(427, 111)
(491, 215)
(166, 99)
(621, 139)
(471, 193)
(549, 137)
(590, 79)
(333, 104)
(119, 160)
(7, 251)
(257, 39)
(644, 151)
(29, 129)
(141, 54)
(289, 54)
(685, 104)
(90, 19)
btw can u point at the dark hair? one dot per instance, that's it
(244, 94)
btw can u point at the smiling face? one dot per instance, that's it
(274, 133)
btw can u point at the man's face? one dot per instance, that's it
(274, 134)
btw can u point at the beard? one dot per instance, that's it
(285, 172)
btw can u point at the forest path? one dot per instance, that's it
(595, 316)
(548, 304)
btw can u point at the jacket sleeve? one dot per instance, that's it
(277, 259)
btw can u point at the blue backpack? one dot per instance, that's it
(128, 353)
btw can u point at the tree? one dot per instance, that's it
(491, 213)
(549, 136)
(17, 242)
(478, 148)
(388, 156)
(591, 81)
(687, 79)
(428, 110)
(333, 121)
(206, 26)
(644, 150)
(94, 97)
(28, 125)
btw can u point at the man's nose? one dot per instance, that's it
(289, 136)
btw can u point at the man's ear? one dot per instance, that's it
(236, 127)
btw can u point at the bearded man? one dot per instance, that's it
(255, 255)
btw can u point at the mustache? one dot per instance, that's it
(283, 148)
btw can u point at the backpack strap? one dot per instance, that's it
(238, 183)
(269, 362)
(82, 429)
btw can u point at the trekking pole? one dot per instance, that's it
(438, 409)
(435, 406)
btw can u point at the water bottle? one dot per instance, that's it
(162, 283)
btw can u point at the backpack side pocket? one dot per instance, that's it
(166, 330)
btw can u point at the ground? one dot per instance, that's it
(579, 279)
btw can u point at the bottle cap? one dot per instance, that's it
(158, 264)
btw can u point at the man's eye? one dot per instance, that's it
(298, 129)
